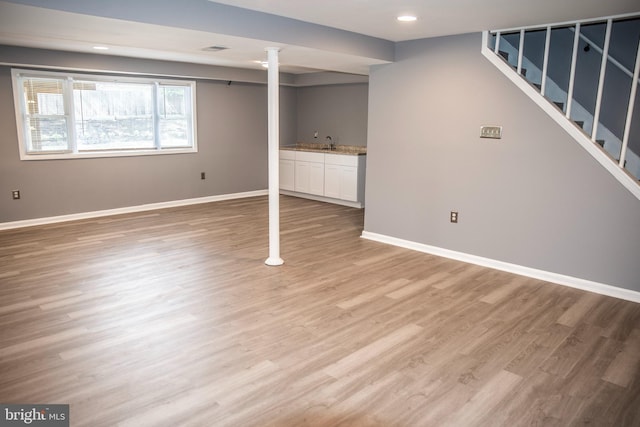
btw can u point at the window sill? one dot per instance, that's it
(102, 154)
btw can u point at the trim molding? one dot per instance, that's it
(559, 279)
(128, 209)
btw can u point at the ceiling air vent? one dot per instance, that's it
(214, 48)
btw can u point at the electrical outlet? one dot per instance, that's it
(453, 217)
(15, 194)
(201, 175)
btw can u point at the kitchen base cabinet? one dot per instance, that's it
(309, 173)
(316, 179)
(341, 179)
(332, 181)
(349, 183)
(287, 170)
(334, 178)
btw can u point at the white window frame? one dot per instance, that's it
(73, 152)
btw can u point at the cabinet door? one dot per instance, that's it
(316, 178)
(349, 183)
(302, 177)
(287, 174)
(332, 181)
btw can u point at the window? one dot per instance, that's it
(72, 115)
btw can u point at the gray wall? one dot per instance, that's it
(534, 198)
(336, 110)
(232, 150)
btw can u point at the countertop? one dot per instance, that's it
(352, 150)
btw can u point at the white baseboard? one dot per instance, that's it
(128, 209)
(560, 279)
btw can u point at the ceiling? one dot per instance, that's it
(376, 18)
(78, 26)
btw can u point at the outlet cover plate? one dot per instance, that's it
(493, 132)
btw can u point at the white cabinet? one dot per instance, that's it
(341, 177)
(303, 175)
(332, 181)
(316, 179)
(309, 173)
(287, 170)
(337, 178)
(349, 183)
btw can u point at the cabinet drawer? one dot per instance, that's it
(306, 156)
(287, 154)
(341, 160)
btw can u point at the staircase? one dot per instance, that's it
(585, 75)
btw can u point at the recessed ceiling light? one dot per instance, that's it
(265, 64)
(101, 48)
(406, 18)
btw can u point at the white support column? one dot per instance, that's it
(632, 100)
(273, 93)
(603, 70)
(496, 48)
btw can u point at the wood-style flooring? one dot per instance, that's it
(171, 318)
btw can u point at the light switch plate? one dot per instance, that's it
(494, 132)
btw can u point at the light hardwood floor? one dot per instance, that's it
(170, 318)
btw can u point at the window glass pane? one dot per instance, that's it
(174, 133)
(174, 110)
(50, 104)
(172, 101)
(47, 134)
(113, 116)
(45, 122)
(43, 96)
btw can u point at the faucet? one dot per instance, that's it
(332, 146)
